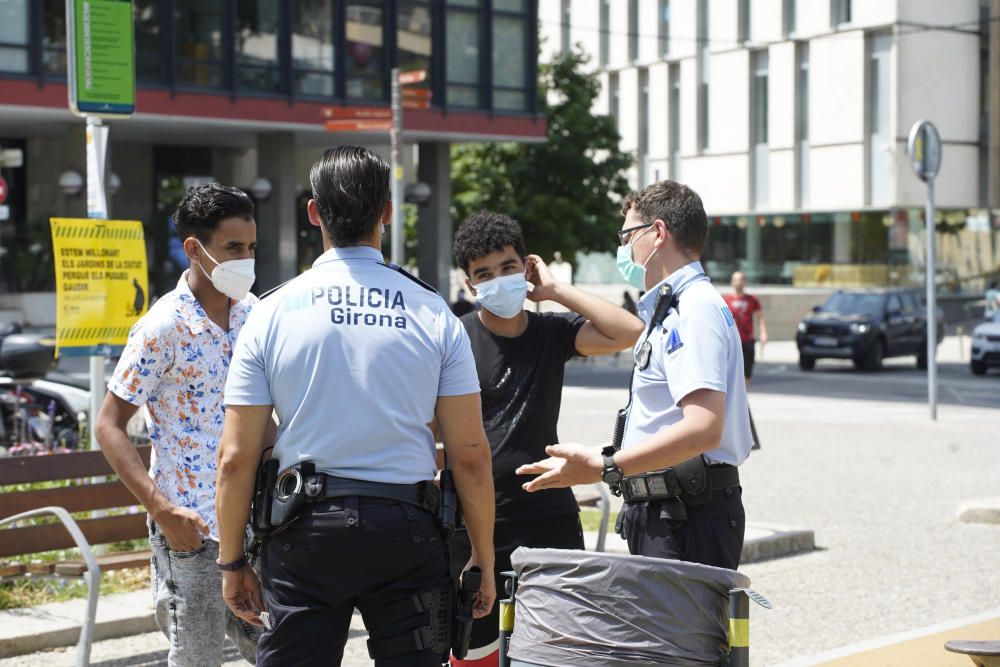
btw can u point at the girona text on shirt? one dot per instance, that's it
(353, 305)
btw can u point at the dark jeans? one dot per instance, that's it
(749, 355)
(342, 554)
(560, 532)
(711, 535)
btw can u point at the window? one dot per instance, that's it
(664, 33)
(565, 26)
(14, 36)
(365, 73)
(312, 48)
(463, 48)
(643, 122)
(605, 32)
(880, 164)
(703, 78)
(510, 55)
(802, 121)
(675, 122)
(54, 38)
(149, 43)
(759, 120)
(841, 10)
(789, 16)
(613, 97)
(744, 21)
(414, 29)
(198, 29)
(256, 46)
(633, 30)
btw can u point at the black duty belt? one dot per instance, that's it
(666, 484)
(321, 486)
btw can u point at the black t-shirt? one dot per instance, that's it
(521, 381)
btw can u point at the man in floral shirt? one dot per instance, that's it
(175, 364)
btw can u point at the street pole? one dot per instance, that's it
(97, 207)
(931, 264)
(396, 228)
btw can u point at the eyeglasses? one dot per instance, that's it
(625, 234)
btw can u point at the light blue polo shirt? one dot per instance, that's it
(697, 347)
(353, 356)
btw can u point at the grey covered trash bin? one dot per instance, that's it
(616, 610)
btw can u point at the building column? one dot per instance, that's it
(434, 233)
(751, 267)
(841, 238)
(276, 224)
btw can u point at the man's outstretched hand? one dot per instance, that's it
(567, 465)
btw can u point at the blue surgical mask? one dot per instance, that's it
(634, 274)
(503, 296)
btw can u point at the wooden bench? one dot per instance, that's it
(17, 506)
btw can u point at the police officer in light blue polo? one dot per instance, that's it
(357, 359)
(686, 428)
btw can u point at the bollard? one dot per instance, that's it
(739, 628)
(506, 617)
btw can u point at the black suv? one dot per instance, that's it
(866, 326)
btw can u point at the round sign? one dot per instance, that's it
(3, 190)
(924, 147)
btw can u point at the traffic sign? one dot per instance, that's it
(410, 78)
(3, 190)
(357, 113)
(100, 53)
(358, 125)
(924, 147)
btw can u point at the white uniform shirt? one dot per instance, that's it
(353, 356)
(696, 347)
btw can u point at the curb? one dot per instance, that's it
(57, 624)
(764, 542)
(985, 510)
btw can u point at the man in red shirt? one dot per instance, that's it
(747, 313)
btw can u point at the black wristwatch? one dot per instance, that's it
(612, 474)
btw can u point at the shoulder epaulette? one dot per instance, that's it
(406, 274)
(274, 289)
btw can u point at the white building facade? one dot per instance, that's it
(790, 119)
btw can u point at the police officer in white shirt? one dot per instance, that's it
(356, 359)
(686, 428)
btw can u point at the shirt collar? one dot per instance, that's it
(351, 252)
(194, 316)
(678, 281)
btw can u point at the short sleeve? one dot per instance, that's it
(754, 305)
(458, 366)
(147, 356)
(247, 382)
(696, 352)
(570, 325)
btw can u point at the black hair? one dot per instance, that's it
(679, 207)
(205, 206)
(351, 187)
(483, 233)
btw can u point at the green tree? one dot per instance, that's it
(564, 192)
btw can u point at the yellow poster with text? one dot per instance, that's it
(101, 283)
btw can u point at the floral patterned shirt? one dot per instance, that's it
(175, 364)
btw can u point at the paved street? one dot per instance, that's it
(853, 457)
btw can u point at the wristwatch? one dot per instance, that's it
(234, 566)
(612, 474)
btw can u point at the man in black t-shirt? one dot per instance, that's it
(520, 357)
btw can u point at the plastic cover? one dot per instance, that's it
(587, 608)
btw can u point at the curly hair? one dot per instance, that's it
(676, 205)
(483, 233)
(205, 206)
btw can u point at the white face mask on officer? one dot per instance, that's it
(233, 278)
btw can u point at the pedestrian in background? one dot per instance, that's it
(749, 318)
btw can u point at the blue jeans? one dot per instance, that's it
(187, 594)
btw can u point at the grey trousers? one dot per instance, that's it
(187, 594)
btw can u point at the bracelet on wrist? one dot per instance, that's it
(235, 565)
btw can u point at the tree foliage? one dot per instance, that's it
(566, 191)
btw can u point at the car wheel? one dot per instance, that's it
(873, 358)
(807, 363)
(978, 367)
